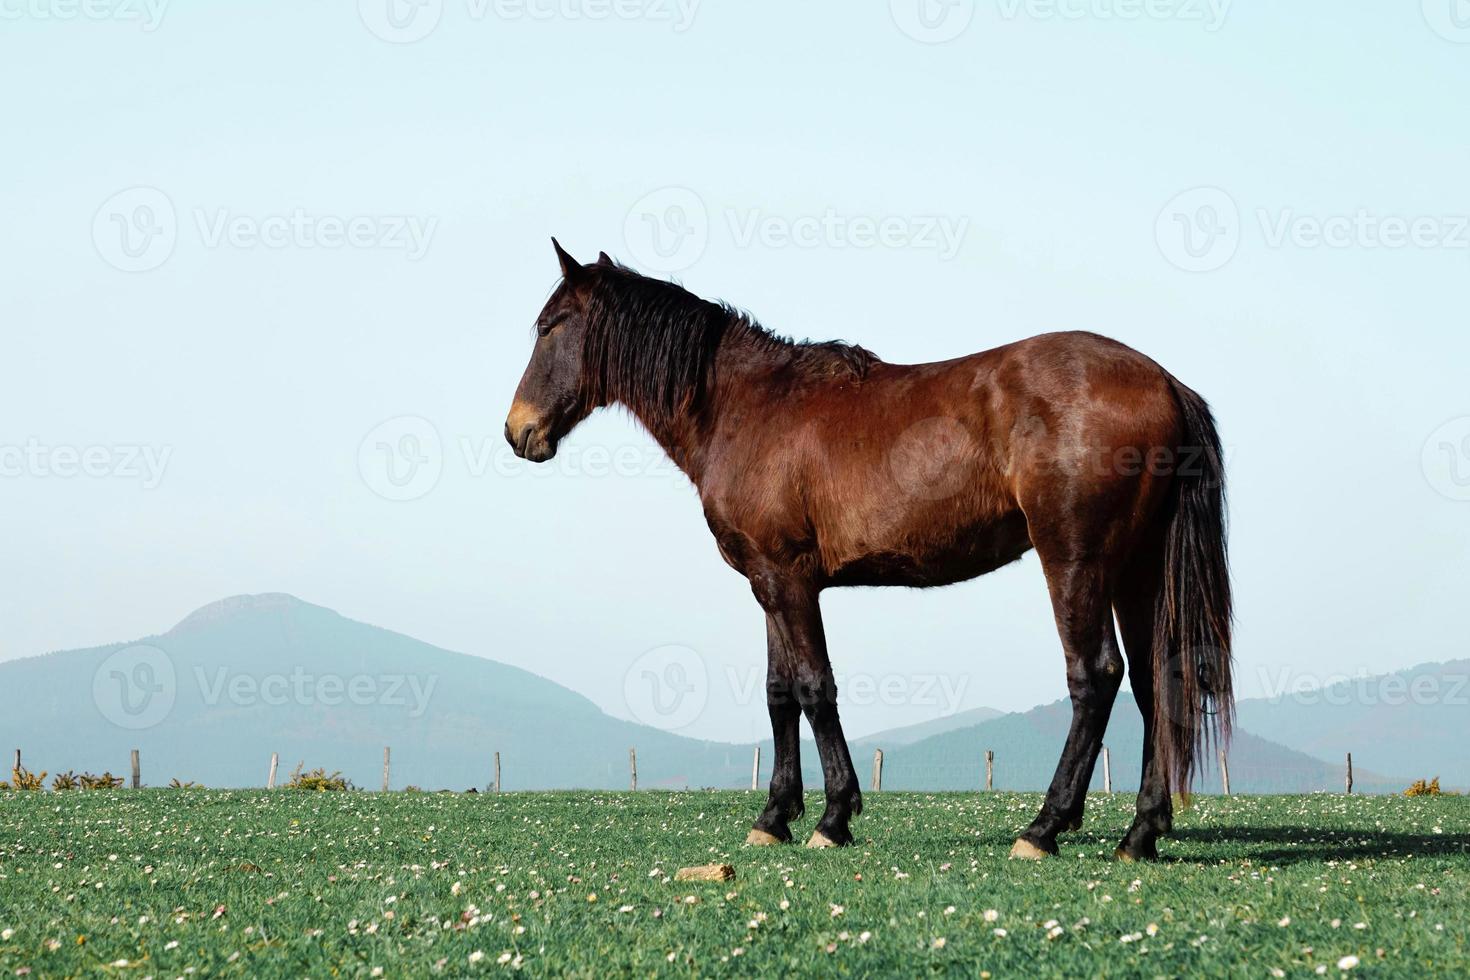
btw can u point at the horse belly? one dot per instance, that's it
(920, 560)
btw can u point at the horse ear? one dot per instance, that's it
(604, 259)
(570, 267)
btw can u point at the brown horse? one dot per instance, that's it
(820, 465)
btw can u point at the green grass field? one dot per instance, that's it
(172, 883)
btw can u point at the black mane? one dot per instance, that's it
(651, 344)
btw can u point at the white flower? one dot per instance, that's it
(1285, 921)
(477, 956)
(1152, 929)
(949, 910)
(837, 910)
(991, 915)
(456, 888)
(938, 942)
(1347, 962)
(1001, 933)
(503, 958)
(6, 934)
(864, 936)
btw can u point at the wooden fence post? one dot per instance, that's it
(877, 770)
(1107, 772)
(1225, 772)
(137, 771)
(16, 768)
(1350, 773)
(633, 769)
(496, 785)
(270, 782)
(387, 760)
(989, 770)
(755, 770)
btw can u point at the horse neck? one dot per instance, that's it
(685, 437)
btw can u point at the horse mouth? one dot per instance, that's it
(539, 450)
(531, 443)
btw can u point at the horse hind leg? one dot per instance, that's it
(1135, 604)
(1094, 673)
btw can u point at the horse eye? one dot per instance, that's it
(542, 330)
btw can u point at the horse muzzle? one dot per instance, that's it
(528, 437)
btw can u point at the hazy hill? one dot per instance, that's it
(212, 698)
(1027, 746)
(1415, 722)
(909, 734)
(259, 674)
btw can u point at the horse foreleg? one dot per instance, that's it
(784, 803)
(795, 621)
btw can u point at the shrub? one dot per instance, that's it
(1421, 788)
(24, 781)
(318, 781)
(65, 782)
(175, 784)
(105, 781)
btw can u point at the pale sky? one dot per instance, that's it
(242, 237)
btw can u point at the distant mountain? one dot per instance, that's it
(211, 699)
(909, 734)
(1027, 746)
(1415, 721)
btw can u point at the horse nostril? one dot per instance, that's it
(523, 441)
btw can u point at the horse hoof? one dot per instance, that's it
(759, 838)
(820, 840)
(1075, 825)
(1024, 850)
(1128, 857)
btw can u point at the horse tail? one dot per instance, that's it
(1194, 704)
